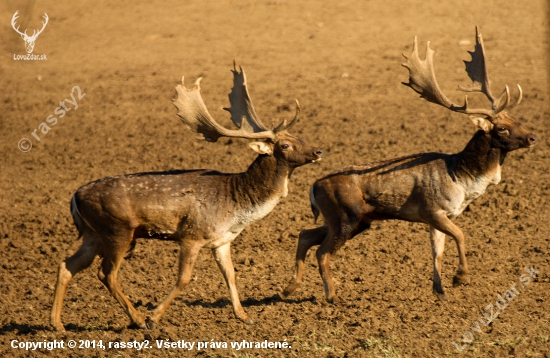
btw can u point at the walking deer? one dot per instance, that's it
(431, 188)
(196, 208)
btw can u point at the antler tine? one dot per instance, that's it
(193, 113)
(283, 126)
(501, 96)
(518, 100)
(497, 107)
(423, 81)
(242, 110)
(507, 104)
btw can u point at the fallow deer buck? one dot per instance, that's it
(431, 188)
(196, 208)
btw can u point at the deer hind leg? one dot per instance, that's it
(335, 239)
(445, 225)
(437, 239)
(222, 254)
(115, 247)
(340, 231)
(189, 252)
(83, 258)
(307, 239)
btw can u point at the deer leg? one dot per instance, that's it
(113, 256)
(340, 231)
(189, 252)
(445, 225)
(324, 255)
(437, 239)
(307, 239)
(82, 259)
(222, 254)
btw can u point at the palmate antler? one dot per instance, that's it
(194, 114)
(422, 80)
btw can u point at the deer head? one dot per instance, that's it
(29, 40)
(506, 133)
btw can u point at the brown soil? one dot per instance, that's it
(342, 61)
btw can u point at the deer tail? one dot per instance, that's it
(77, 217)
(314, 208)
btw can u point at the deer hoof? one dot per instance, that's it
(135, 325)
(460, 280)
(59, 327)
(245, 319)
(284, 295)
(150, 323)
(441, 295)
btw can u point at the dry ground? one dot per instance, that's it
(342, 61)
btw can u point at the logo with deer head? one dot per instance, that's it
(29, 40)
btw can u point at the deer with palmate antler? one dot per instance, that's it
(431, 188)
(196, 208)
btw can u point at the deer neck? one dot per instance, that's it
(266, 179)
(479, 160)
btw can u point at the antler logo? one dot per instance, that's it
(29, 40)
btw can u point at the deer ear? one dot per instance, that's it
(261, 148)
(481, 123)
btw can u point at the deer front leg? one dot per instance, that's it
(222, 254)
(442, 223)
(437, 240)
(189, 251)
(307, 239)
